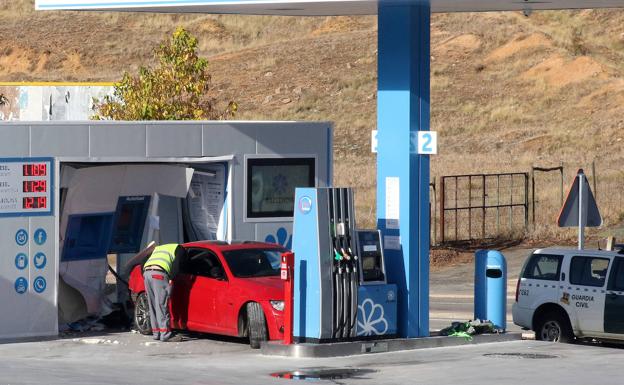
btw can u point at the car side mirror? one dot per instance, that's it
(217, 272)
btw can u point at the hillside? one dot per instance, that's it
(507, 91)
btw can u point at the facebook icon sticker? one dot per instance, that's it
(40, 236)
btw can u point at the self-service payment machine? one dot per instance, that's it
(377, 305)
(340, 280)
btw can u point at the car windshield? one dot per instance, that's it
(248, 263)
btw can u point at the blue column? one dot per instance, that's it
(403, 109)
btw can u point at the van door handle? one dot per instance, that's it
(563, 276)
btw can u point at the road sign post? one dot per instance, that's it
(580, 208)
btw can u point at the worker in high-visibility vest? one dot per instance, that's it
(158, 272)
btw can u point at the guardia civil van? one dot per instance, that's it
(563, 294)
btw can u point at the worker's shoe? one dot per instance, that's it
(156, 336)
(174, 338)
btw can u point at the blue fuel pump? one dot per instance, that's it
(341, 290)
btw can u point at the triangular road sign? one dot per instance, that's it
(569, 214)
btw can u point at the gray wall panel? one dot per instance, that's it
(59, 139)
(174, 140)
(302, 138)
(118, 140)
(279, 139)
(14, 141)
(228, 139)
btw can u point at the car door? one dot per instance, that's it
(614, 301)
(208, 283)
(180, 292)
(587, 282)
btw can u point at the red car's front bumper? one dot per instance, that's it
(275, 321)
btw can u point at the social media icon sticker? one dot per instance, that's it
(21, 285)
(40, 260)
(21, 261)
(39, 284)
(40, 236)
(21, 237)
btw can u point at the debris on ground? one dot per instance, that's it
(468, 329)
(96, 341)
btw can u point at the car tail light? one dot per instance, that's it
(517, 288)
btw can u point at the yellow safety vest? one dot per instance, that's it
(163, 257)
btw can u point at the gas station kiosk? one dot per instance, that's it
(76, 196)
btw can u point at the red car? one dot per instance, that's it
(232, 289)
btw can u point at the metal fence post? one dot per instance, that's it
(526, 201)
(483, 214)
(594, 179)
(533, 194)
(561, 172)
(442, 219)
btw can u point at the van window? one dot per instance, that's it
(616, 282)
(543, 266)
(588, 271)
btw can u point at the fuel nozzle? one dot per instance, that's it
(337, 255)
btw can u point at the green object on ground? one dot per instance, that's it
(465, 335)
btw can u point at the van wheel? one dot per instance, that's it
(554, 327)
(256, 324)
(142, 315)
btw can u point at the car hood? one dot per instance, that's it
(268, 287)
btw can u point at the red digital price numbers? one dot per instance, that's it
(35, 186)
(35, 169)
(35, 203)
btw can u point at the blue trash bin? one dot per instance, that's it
(490, 288)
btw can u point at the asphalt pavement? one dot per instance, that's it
(132, 359)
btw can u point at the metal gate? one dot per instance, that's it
(483, 206)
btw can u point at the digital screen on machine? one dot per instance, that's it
(271, 184)
(34, 186)
(34, 203)
(25, 186)
(35, 169)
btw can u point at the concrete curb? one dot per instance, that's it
(338, 349)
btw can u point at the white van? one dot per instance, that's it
(566, 293)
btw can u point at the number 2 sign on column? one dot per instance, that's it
(427, 142)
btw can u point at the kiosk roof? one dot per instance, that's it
(314, 7)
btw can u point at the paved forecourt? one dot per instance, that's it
(126, 358)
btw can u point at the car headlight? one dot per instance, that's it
(277, 305)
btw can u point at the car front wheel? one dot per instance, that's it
(256, 324)
(553, 327)
(142, 315)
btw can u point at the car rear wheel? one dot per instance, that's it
(142, 315)
(554, 327)
(256, 325)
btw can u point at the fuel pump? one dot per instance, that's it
(333, 283)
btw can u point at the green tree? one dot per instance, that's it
(177, 89)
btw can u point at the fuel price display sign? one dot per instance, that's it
(26, 186)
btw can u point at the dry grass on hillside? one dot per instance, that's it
(507, 91)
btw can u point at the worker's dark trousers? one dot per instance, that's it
(158, 291)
